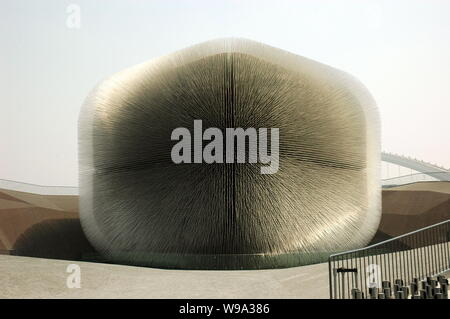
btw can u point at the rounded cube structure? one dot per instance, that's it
(138, 206)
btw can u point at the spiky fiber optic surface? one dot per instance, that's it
(138, 207)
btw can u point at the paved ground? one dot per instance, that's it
(23, 277)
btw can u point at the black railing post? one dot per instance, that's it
(329, 277)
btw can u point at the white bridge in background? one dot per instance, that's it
(423, 171)
(417, 165)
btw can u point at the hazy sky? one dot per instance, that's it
(399, 49)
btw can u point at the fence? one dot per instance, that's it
(410, 257)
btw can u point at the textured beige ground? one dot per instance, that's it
(24, 277)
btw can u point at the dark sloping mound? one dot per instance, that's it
(56, 238)
(410, 207)
(405, 211)
(19, 211)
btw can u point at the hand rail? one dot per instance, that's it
(412, 256)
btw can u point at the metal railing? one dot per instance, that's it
(418, 254)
